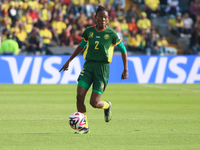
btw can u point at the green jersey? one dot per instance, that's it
(100, 43)
(9, 47)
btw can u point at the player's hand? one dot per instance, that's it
(65, 67)
(124, 75)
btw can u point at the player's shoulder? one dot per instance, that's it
(89, 28)
(111, 29)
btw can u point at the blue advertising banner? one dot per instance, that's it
(142, 69)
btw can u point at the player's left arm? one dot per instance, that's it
(123, 50)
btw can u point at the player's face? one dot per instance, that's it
(102, 19)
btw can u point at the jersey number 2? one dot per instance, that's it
(97, 43)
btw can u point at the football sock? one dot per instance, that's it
(105, 106)
(86, 124)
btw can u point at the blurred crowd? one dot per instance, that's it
(36, 25)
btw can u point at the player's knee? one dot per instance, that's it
(93, 103)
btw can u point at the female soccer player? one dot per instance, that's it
(99, 41)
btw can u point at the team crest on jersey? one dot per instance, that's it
(102, 86)
(106, 36)
(91, 34)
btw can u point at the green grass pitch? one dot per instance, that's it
(145, 117)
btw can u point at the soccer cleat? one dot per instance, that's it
(108, 113)
(83, 131)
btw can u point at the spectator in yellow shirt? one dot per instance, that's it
(152, 6)
(59, 25)
(35, 5)
(7, 22)
(82, 18)
(162, 44)
(22, 35)
(28, 28)
(45, 14)
(144, 23)
(109, 2)
(4, 6)
(134, 41)
(25, 5)
(51, 5)
(26, 19)
(124, 27)
(15, 28)
(114, 23)
(64, 10)
(120, 12)
(46, 35)
(175, 25)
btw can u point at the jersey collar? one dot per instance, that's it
(98, 30)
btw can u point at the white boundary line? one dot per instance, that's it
(164, 87)
(49, 119)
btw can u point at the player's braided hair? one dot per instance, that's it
(100, 8)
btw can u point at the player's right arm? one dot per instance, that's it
(78, 50)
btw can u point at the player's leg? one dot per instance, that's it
(81, 93)
(97, 103)
(100, 81)
(80, 97)
(82, 89)
(84, 82)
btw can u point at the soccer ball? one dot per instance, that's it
(77, 121)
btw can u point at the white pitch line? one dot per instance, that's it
(154, 86)
(164, 87)
(49, 119)
(34, 119)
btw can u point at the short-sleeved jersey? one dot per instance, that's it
(144, 23)
(153, 4)
(173, 22)
(22, 35)
(44, 33)
(162, 43)
(100, 43)
(59, 26)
